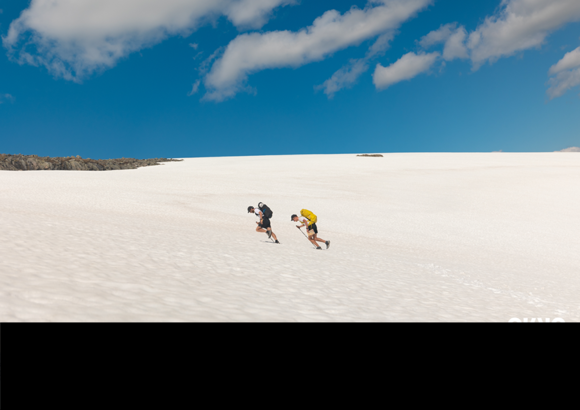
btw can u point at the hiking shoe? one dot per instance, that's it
(327, 244)
(276, 241)
(318, 247)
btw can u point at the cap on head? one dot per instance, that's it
(250, 209)
(293, 216)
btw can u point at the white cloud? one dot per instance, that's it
(566, 74)
(571, 60)
(407, 67)
(454, 39)
(412, 64)
(6, 98)
(194, 89)
(519, 25)
(516, 26)
(347, 76)
(523, 24)
(455, 45)
(253, 13)
(74, 38)
(249, 53)
(438, 36)
(206, 64)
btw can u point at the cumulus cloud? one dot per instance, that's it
(565, 74)
(516, 26)
(412, 64)
(455, 45)
(570, 61)
(519, 25)
(74, 38)
(249, 53)
(454, 39)
(253, 13)
(438, 36)
(407, 67)
(523, 24)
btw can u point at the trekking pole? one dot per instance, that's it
(305, 235)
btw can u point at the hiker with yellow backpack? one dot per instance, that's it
(308, 219)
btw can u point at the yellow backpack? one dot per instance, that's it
(309, 215)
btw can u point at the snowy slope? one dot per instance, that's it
(415, 237)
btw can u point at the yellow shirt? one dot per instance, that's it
(311, 217)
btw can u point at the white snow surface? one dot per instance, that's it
(415, 237)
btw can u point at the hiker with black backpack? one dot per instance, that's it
(264, 213)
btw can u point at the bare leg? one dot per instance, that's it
(273, 234)
(312, 240)
(316, 238)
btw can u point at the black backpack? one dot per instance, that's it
(265, 210)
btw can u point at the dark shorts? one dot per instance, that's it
(314, 228)
(265, 223)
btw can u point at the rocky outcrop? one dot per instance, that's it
(36, 163)
(571, 149)
(370, 155)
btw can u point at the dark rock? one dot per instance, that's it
(370, 155)
(35, 163)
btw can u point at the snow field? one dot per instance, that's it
(415, 237)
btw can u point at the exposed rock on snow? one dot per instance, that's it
(370, 155)
(36, 163)
(571, 149)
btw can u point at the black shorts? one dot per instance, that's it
(314, 228)
(265, 223)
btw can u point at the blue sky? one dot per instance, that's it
(114, 78)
